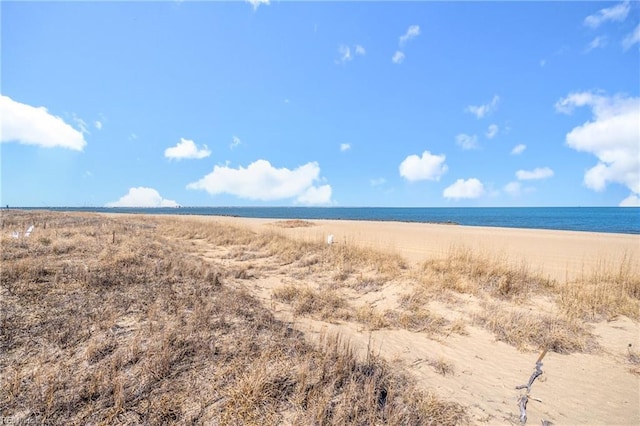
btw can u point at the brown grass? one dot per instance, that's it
(528, 330)
(465, 271)
(442, 366)
(105, 320)
(633, 358)
(606, 292)
(371, 317)
(326, 305)
(294, 223)
(413, 315)
(602, 294)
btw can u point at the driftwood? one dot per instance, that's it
(522, 401)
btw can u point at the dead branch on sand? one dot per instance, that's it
(522, 401)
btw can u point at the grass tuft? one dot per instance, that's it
(530, 331)
(465, 271)
(604, 293)
(326, 305)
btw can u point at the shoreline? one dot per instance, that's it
(617, 221)
(561, 255)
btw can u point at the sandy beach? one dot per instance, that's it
(582, 388)
(592, 388)
(561, 255)
(133, 301)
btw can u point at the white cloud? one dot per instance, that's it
(186, 149)
(467, 142)
(261, 181)
(378, 181)
(492, 131)
(29, 125)
(235, 142)
(316, 195)
(611, 135)
(98, 124)
(257, 3)
(566, 105)
(397, 57)
(470, 188)
(412, 32)
(481, 110)
(632, 200)
(427, 167)
(600, 41)
(513, 188)
(82, 125)
(133, 137)
(618, 13)
(537, 173)
(345, 54)
(631, 38)
(345, 147)
(518, 149)
(142, 197)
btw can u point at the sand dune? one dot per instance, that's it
(575, 389)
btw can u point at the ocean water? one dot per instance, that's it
(624, 220)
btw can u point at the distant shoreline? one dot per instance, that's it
(618, 220)
(557, 253)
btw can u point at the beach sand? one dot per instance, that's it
(598, 387)
(561, 255)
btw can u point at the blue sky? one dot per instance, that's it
(320, 103)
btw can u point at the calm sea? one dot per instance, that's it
(596, 219)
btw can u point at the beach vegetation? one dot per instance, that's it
(116, 321)
(162, 319)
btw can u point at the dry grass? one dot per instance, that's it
(294, 223)
(326, 305)
(603, 294)
(347, 264)
(633, 358)
(413, 315)
(606, 292)
(465, 271)
(371, 317)
(118, 320)
(106, 321)
(528, 330)
(442, 366)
